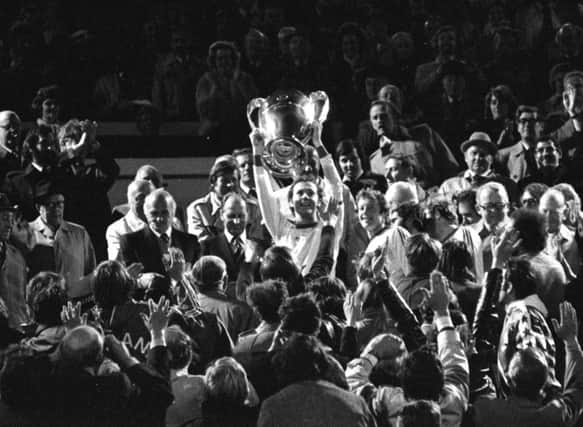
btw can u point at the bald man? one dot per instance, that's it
(82, 347)
(134, 220)
(150, 244)
(9, 143)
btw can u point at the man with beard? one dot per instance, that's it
(9, 143)
(479, 152)
(354, 176)
(550, 171)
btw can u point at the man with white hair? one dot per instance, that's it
(561, 240)
(134, 220)
(151, 245)
(9, 143)
(492, 204)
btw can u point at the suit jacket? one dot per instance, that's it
(514, 163)
(143, 246)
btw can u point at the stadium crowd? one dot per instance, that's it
(419, 266)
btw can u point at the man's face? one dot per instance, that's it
(234, 216)
(50, 111)
(381, 119)
(298, 47)
(350, 46)
(492, 208)
(554, 213)
(396, 171)
(453, 85)
(498, 108)
(403, 47)
(52, 210)
(478, 159)
(467, 213)
(529, 201)
(225, 183)
(304, 200)
(573, 97)
(10, 133)
(446, 43)
(246, 169)
(547, 155)
(6, 224)
(136, 200)
(529, 127)
(350, 165)
(225, 62)
(158, 214)
(369, 215)
(390, 93)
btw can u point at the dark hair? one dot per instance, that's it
(520, 275)
(159, 286)
(526, 109)
(421, 413)
(536, 189)
(346, 147)
(45, 296)
(385, 104)
(456, 261)
(466, 196)
(532, 229)
(299, 180)
(222, 44)
(352, 28)
(112, 284)
(29, 146)
(277, 263)
(422, 375)
(422, 253)
(44, 93)
(528, 372)
(302, 358)
(441, 206)
(376, 195)
(267, 297)
(242, 151)
(329, 294)
(179, 347)
(301, 314)
(504, 95)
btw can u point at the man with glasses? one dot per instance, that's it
(493, 205)
(550, 170)
(518, 160)
(9, 143)
(531, 195)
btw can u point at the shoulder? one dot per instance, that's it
(505, 152)
(205, 200)
(134, 235)
(73, 227)
(116, 226)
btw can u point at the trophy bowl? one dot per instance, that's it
(286, 119)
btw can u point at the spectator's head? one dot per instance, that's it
(445, 40)
(82, 347)
(500, 103)
(479, 152)
(403, 205)
(7, 216)
(348, 159)
(137, 192)
(420, 413)
(112, 284)
(179, 348)
(226, 383)
(305, 197)
(45, 296)
(569, 38)
(528, 372)
(223, 58)
(256, 45)
(452, 75)
(553, 206)
(70, 134)
(519, 281)
(403, 46)
(301, 314)
(393, 95)
(234, 214)
(47, 103)
(529, 123)
(50, 203)
(10, 127)
(375, 77)
(547, 154)
(422, 376)
(573, 202)
(209, 273)
(160, 209)
(278, 263)
(573, 93)
(466, 207)
(309, 165)
(266, 298)
(179, 42)
(531, 195)
(224, 176)
(299, 46)
(283, 40)
(423, 253)
(383, 117)
(372, 210)
(351, 41)
(150, 173)
(302, 358)
(531, 228)
(398, 168)
(329, 294)
(40, 146)
(493, 202)
(244, 159)
(440, 216)
(148, 118)
(456, 261)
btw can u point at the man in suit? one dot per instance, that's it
(550, 168)
(518, 161)
(134, 220)
(230, 244)
(150, 245)
(9, 143)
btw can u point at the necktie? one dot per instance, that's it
(164, 243)
(237, 245)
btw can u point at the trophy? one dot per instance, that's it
(286, 119)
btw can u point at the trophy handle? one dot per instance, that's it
(321, 104)
(253, 105)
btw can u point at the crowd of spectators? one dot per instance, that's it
(419, 266)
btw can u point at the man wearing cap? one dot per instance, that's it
(9, 143)
(204, 216)
(518, 161)
(479, 152)
(13, 268)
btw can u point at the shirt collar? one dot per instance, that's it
(215, 202)
(167, 233)
(530, 301)
(230, 237)
(469, 174)
(39, 225)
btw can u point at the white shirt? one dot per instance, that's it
(128, 224)
(395, 240)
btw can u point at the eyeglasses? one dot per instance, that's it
(529, 202)
(493, 206)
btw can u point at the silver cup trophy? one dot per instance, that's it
(286, 119)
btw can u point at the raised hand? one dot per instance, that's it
(438, 296)
(377, 263)
(177, 264)
(317, 134)
(72, 317)
(385, 346)
(352, 309)
(503, 246)
(157, 320)
(257, 137)
(135, 269)
(567, 329)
